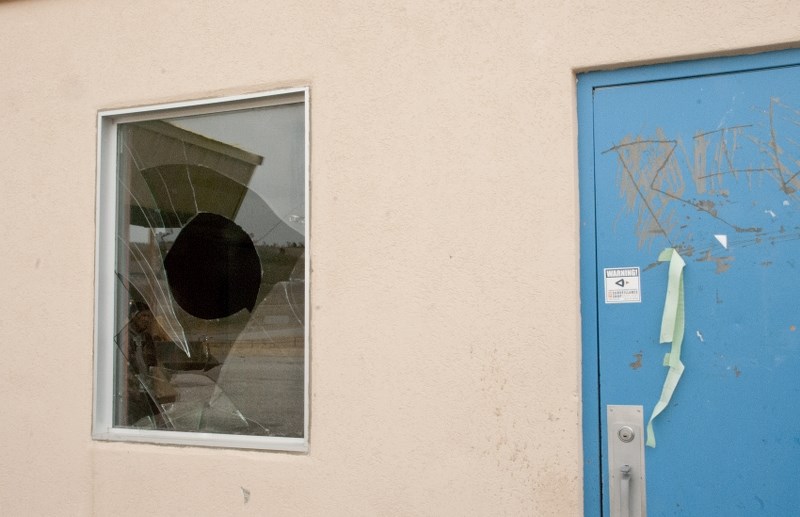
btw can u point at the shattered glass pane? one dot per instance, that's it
(210, 268)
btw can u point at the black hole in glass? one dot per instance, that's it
(213, 269)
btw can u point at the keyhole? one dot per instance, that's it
(626, 434)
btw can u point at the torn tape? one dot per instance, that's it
(672, 327)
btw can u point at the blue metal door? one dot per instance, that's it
(702, 159)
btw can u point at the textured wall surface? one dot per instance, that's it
(445, 298)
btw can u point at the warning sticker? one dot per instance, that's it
(622, 285)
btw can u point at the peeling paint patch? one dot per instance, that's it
(638, 362)
(651, 266)
(723, 239)
(723, 263)
(700, 336)
(771, 213)
(707, 206)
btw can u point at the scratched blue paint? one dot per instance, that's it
(672, 156)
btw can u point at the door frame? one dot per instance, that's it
(587, 82)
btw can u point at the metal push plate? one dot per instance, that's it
(626, 474)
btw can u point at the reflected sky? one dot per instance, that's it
(277, 134)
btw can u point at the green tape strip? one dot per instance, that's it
(672, 329)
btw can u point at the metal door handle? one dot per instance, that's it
(625, 491)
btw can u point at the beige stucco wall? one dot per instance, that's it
(445, 326)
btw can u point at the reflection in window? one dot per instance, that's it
(210, 273)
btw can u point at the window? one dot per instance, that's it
(201, 333)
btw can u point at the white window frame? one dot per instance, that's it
(105, 260)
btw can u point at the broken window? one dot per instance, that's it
(202, 258)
